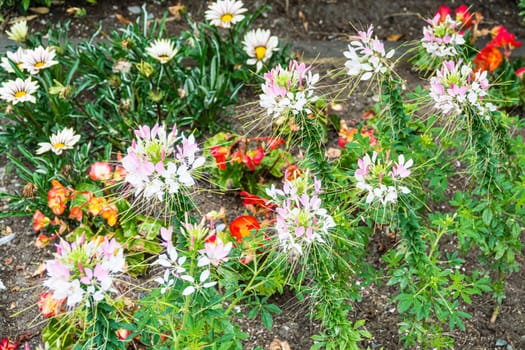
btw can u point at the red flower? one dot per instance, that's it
(504, 39)
(251, 199)
(292, 172)
(243, 226)
(443, 11)
(40, 221)
(220, 153)
(6, 344)
(464, 16)
(253, 158)
(488, 59)
(76, 213)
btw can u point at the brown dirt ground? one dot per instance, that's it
(301, 20)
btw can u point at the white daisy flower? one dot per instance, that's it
(162, 50)
(18, 31)
(61, 141)
(18, 90)
(259, 44)
(15, 57)
(224, 13)
(38, 59)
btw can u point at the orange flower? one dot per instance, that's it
(488, 59)
(292, 172)
(40, 221)
(57, 197)
(110, 214)
(75, 213)
(43, 240)
(220, 153)
(242, 227)
(48, 306)
(119, 174)
(504, 39)
(96, 205)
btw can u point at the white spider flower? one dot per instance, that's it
(18, 90)
(18, 31)
(15, 57)
(259, 44)
(224, 13)
(162, 50)
(61, 141)
(38, 59)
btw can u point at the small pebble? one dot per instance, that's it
(136, 10)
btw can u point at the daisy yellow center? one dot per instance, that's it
(20, 94)
(260, 52)
(59, 145)
(163, 57)
(226, 18)
(39, 64)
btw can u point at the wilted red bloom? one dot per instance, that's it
(251, 199)
(274, 142)
(48, 306)
(370, 134)
(488, 59)
(100, 171)
(253, 158)
(443, 11)
(40, 221)
(220, 153)
(463, 15)
(57, 198)
(292, 172)
(520, 72)
(6, 344)
(345, 135)
(242, 227)
(42, 241)
(123, 334)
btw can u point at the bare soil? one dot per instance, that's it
(293, 21)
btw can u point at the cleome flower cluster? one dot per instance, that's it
(288, 91)
(367, 56)
(443, 36)
(160, 162)
(300, 219)
(457, 89)
(84, 270)
(382, 180)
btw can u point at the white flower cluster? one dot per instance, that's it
(382, 181)
(456, 89)
(442, 37)
(366, 56)
(288, 91)
(158, 162)
(300, 219)
(82, 269)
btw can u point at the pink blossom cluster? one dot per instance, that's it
(456, 88)
(300, 219)
(175, 264)
(382, 180)
(367, 56)
(288, 91)
(84, 270)
(160, 162)
(442, 36)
